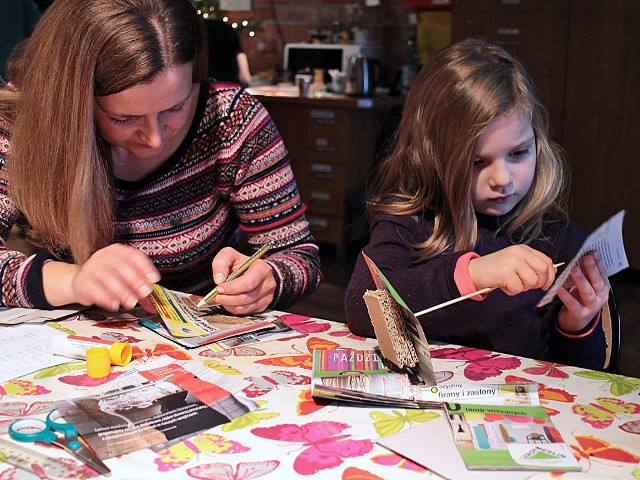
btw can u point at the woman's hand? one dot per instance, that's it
(113, 277)
(251, 292)
(514, 269)
(586, 297)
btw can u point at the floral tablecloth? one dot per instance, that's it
(292, 436)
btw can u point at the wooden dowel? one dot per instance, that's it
(464, 297)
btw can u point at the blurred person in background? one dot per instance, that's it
(17, 19)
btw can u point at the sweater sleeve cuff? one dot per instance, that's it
(462, 277)
(33, 281)
(585, 332)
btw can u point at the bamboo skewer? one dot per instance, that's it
(464, 297)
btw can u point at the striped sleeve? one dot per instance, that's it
(267, 201)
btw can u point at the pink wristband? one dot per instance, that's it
(462, 277)
(594, 324)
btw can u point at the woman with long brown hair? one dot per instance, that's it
(129, 167)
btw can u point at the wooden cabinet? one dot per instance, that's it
(332, 144)
(601, 121)
(583, 57)
(535, 31)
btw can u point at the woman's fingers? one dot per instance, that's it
(115, 276)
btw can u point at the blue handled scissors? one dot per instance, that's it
(36, 430)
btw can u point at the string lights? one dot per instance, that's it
(209, 11)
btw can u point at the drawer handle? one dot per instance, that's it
(321, 170)
(319, 197)
(323, 117)
(325, 149)
(508, 43)
(322, 145)
(508, 31)
(322, 121)
(510, 2)
(318, 224)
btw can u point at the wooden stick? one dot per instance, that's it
(464, 297)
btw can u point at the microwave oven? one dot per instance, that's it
(298, 56)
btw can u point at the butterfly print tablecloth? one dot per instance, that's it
(290, 435)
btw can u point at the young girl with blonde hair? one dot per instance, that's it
(472, 196)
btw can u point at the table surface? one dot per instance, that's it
(290, 435)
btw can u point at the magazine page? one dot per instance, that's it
(431, 445)
(222, 327)
(508, 437)
(361, 376)
(183, 319)
(279, 331)
(483, 393)
(607, 241)
(170, 404)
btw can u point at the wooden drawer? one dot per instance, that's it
(534, 31)
(327, 175)
(325, 134)
(321, 198)
(326, 229)
(513, 6)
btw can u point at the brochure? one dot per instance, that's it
(431, 445)
(233, 327)
(279, 331)
(149, 408)
(509, 437)
(494, 426)
(607, 241)
(180, 321)
(362, 376)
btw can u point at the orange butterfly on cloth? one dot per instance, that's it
(592, 447)
(302, 361)
(546, 393)
(160, 349)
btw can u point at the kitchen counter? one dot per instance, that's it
(289, 94)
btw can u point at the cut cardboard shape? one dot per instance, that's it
(399, 333)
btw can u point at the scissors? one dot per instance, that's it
(36, 430)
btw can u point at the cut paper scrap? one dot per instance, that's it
(178, 319)
(607, 241)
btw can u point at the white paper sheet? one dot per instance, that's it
(25, 349)
(607, 241)
(431, 445)
(16, 315)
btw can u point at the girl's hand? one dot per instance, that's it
(113, 277)
(514, 269)
(251, 292)
(586, 297)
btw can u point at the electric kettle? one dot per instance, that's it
(363, 74)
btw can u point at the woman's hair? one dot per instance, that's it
(59, 170)
(453, 98)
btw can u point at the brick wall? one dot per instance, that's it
(283, 21)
